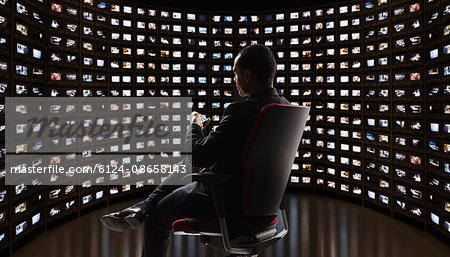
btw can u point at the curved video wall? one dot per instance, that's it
(376, 74)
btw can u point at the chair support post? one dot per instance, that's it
(217, 194)
(284, 220)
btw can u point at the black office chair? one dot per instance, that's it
(267, 156)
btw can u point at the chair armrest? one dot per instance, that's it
(211, 178)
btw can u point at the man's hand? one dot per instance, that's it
(196, 118)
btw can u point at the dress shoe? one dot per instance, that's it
(129, 218)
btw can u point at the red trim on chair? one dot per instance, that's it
(274, 221)
(176, 224)
(188, 225)
(212, 226)
(249, 174)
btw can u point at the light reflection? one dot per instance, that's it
(319, 227)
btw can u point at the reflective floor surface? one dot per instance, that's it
(319, 227)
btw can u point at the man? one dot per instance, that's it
(220, 151)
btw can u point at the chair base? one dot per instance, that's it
(242, 255)
(241, 243)
(249, 245)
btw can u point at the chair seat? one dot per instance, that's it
(192, 225)
(195, 225)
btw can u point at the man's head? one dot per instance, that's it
(254, 69)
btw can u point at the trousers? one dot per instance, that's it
(189, 201)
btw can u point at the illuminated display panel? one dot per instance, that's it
(436, 94)
(23, 73)
(94, 52)
(223, 50)
(377, 117)
(146, 52)
(5, 85)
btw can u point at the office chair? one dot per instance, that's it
(267, 157)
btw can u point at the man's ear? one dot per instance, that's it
(248, 75)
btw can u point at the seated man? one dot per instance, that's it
(220, 151)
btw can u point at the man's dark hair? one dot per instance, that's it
(258, 59)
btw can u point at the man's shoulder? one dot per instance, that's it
(284, 100)
(257, 101)
(236, 106)
(255, 104)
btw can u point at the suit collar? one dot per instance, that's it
(264, 92)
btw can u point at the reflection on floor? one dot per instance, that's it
(319, 227)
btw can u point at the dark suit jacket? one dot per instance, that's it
(221, 149)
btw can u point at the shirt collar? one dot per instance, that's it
(264, 92)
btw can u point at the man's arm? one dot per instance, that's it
(207, 150)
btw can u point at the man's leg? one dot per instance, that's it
(133, 216)
(172, 182)
(189, 201)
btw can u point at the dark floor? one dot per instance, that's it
(319, 227)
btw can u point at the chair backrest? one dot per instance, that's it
(268, 155)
